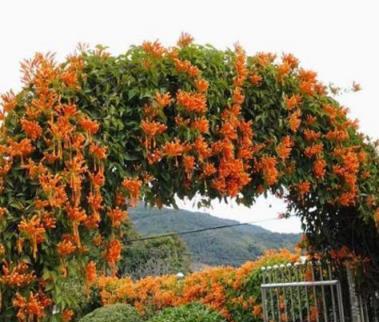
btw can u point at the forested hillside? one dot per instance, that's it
(230, 246)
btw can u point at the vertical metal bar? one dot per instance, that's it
(314, 291)
(271, 293)
(307, 300)
(264, 301)
(366, 309)
(281, 269)
(277, 291)
(362, 318)
(340, 303)
(264, 296)
(297, 270)
(325, 308)
(290, 274)
(333, 295)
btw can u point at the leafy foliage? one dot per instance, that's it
(187, 313)
(113, 313)
(160, 256)
(84, 135)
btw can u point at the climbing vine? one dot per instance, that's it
(86, 139)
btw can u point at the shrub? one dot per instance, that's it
(113, 313)
(188, 313)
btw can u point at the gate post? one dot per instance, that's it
(354, 301)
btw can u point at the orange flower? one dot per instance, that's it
(185, 66)
(202, 148)
(17, 276)
(292, 102)
(319, 166)
(173, 149)
(209, 169)
(89, 126)
(189, 164)
(133, 186)
(313, 150)
(291, 60)
(337, 135)
(303, 188)
(163, 99)
(67, 315)
(155, 49)
(152, 129)
(285, 147)
(91, 272)
(310, 120)
(31, 128)
(283, 70)
(21, 149)
(255, 79)
(192, 102)
(114, 252)
(294, 121)
(202, 125)
(311, 135)
(66, 247)
(264, 59)
(3, 212)
(117, 216)
(98, 151)
(185, 39)
(8, 101)
(30, 308)
(33, 230)
(270, 172)
(201, 85)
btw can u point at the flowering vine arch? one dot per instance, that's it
(83, 137)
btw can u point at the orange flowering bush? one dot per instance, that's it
(85, 139)
(233, 292)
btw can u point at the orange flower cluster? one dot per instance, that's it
(91, 272)
(348, 172)
(32, 307)
(292, 102)
(117, 216)
(314, 150)
(220, 288)
(294, 121)
(192, 102)
(303, 188)
(16, 276)
(285, 147)
(268, 166)
(113, 252)
(133, 188)
(319, 168)
(154, 49)
(31, 128)
(34, 230)
(236, 147)
(66, 135)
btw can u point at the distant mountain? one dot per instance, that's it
(229, 246)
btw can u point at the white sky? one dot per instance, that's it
(335, 38)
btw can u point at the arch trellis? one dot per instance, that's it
(86, 139)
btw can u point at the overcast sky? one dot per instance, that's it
(338, 39)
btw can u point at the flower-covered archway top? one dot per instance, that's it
(85, 139)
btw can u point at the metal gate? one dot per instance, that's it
(301, 292)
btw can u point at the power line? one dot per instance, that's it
(188, 232)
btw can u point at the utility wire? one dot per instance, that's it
(189, 232)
